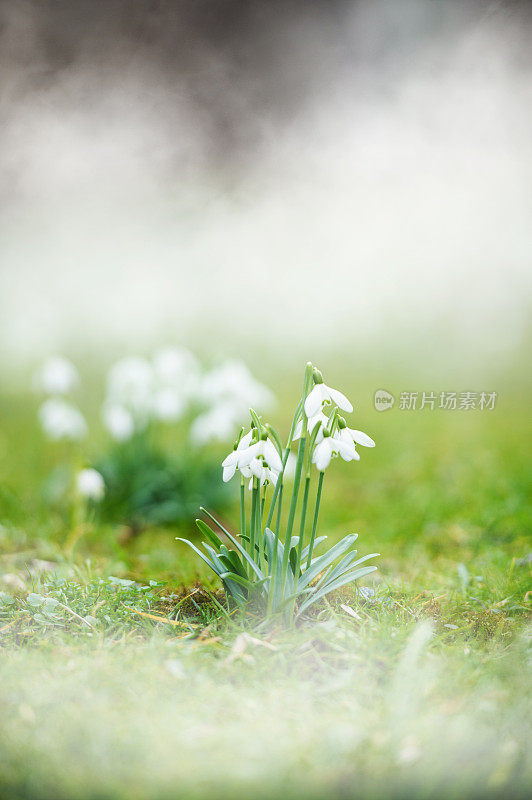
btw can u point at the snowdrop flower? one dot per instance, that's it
(258, 469)
(173, 365)
(318, 419)
(57, 375)
(352, 436)
(168, 404)
(290, 466)
(217, 424)
(60, 420)
(119, 422)
(130, 382)
(90, 484)
(246, 453)
(332, 446)
(177, 369)
(230, 464)
(320, 394)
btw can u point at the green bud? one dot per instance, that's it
(342, 423)
(318, 377)
(264, 436)
(326, 433)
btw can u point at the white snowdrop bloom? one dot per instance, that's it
(216, 424)
(130, 382)
(320, 394)
(243, 456)
(90, 484)
(60, 420)
(333, 446)
(174, 364)
(233, 382)
(350, 436)
(57, 375)
(318, 419)
(258, 469)
(229, 464)
(168, 404)
(119, 422)
(290, 466)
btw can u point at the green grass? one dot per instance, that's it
(418, 691)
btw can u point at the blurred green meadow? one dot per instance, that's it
(122, 674)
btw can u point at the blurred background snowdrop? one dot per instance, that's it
(227, 392)
(57, 375)
(60, 420)
(165, 416)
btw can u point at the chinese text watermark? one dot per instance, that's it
(445, 401)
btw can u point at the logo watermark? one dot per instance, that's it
(443, 401)
(383, 400)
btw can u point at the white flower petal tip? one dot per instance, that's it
(315, 400)
(340, 400)
(321, 393)
(228, 471)
(361, 438)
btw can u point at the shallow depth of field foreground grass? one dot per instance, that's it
(115, 687)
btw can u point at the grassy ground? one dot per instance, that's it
(138, 686)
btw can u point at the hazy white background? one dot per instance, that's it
(337, 175)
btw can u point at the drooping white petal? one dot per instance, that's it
(246, 455)
(311, 424)
(298, 430)
(231, 459)
(257, 468)
(228, 472)
(322, 454)
(347, 451)
(361, 438)
(315, 399)
(245, 440)
(271, 455)
(340, 399)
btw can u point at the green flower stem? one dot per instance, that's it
(272, 568)
(301, 537)
(293, 505)
(253, 527)
(315, 519)
(242, 508)
(260, 531)
(279, 508)
(278, 485)
(302, 525)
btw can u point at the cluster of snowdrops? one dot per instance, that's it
(147, 403)
(272, 561)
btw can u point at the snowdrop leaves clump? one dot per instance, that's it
(267, 562)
